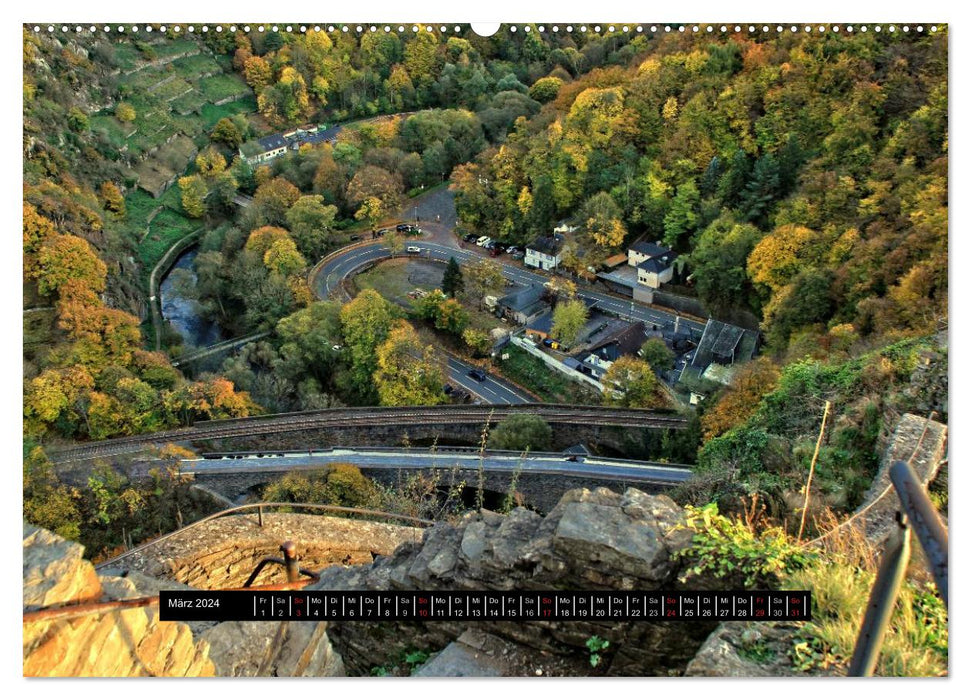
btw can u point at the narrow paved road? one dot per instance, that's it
(330, 276)
(397, 458)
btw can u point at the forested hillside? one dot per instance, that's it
(801, 178)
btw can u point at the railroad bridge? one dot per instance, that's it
(614, 428)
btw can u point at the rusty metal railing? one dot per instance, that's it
(918, 514)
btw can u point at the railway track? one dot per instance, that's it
(377, 417)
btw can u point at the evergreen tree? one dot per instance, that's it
(762, 189)
(452, 282)
(733, 181)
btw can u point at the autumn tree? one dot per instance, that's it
(446, 313)
(545, 89)
(227, 132)
(365, 324)
(273, 199)
(111, 198)
(631, 383)
(407, 373)
(373, 182)
(602, 221)
(283, 258)
(569, 318)
(257, 73)
(194, 192)
(125, 112)
(260, 240)
(741, 398)
(210, 162)
(478, 341)
(62, 258)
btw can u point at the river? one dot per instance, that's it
(182, 312)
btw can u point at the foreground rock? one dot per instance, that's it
(129, 642)
(590, 540)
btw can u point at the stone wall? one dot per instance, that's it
(224, 552)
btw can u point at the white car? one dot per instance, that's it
(483, 242)
(413, 249)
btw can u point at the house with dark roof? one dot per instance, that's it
(721, 347)
(626, 342)
(524, 304)
(654, 263)
(269, 147)
(545, 252)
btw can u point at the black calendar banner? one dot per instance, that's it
(530, 606)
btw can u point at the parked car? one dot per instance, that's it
(483, 241)
(355, 237)
(382, 231)
(477, 374)
(470, 238)
(413, 249)
(518, 255)
(448, 388)
(402, 228)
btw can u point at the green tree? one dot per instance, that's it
(569, 318)
(683, 217)
(718, 264)
(521, 431)
(310, 222)
(452, 282)
(657, 354)
(365, 324)
(545, 89)
(482, 277)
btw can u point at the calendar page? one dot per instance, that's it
(372, 348)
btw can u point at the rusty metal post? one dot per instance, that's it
(923, 518)
(289, 550)
(259, 512)
(882, 600)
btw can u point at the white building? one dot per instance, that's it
(545, 252)
(654, 263)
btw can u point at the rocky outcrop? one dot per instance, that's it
(746, 650)
(131, 642)
(590, 540)
(272, 649)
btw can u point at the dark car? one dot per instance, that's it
(448, 388)
(403, 228)
(355, 237)
(470, 238)
(477, 374)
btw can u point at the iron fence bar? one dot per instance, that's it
(883, 597)
(923, 518)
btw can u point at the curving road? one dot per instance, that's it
(330, 275)
(397, 458)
